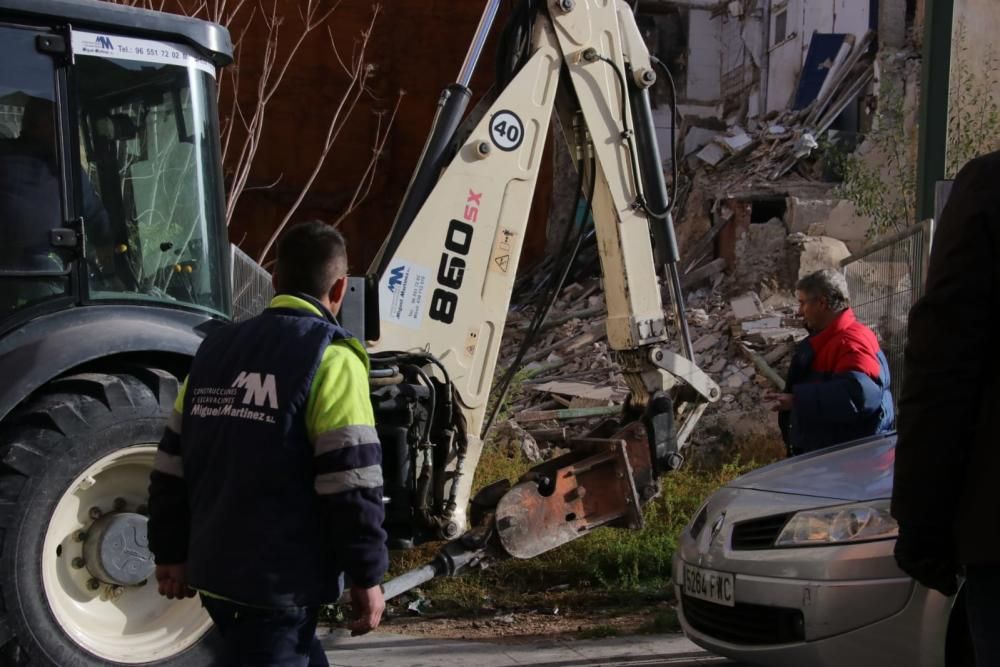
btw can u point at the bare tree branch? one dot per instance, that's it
(360, 71)
(242, 128)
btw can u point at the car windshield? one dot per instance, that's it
(149, 185)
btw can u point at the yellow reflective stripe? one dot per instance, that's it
(179, 403)
(339, 394)
(349, 480)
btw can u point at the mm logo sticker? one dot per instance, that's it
(506, 130)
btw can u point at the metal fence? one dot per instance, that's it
(252, 289)
(885, 281)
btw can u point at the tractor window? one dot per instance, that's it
(150, 177)
(31, 269)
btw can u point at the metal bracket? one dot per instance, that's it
(686, 370)
(63, 237)
(51, 44)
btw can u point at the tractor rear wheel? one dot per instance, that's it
(75, 571)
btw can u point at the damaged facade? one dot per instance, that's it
(759, 85)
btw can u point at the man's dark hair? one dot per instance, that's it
(311, 257)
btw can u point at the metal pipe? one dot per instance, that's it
(478, 42)
(408, 581)
(679, 308)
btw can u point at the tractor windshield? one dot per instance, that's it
(150, 184)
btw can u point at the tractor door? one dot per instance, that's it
(34, 263)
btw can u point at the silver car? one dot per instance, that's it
(792, 565)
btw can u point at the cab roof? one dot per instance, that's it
(211, 39)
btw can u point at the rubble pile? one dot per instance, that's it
(569, 383)
(769, 148)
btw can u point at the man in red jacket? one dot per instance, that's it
(838, 381)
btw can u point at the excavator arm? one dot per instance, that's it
(446, 274)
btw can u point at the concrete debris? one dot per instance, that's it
(760, 252)
(737, 141)
(706, 342)
(712, 154)
(698, 317)
(697, 138)
(762, 324)
(746, 306)
(815, 253)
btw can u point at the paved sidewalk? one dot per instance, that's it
(389, 650)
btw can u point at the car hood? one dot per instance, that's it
(860, 470)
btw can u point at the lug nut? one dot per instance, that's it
(81, 536)
(483, 149)
(96, 513)
(119, 504)
(649, 77)
(78, 563)
(93, 584)
(567, 5)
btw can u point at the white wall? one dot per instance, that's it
(804, 18)
(704, 56)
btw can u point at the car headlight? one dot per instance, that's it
(858, 522)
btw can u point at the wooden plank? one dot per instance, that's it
(713, 268)
(572, 413)
(764, 368)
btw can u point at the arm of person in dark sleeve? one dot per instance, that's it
(841, 399)
(946, 353)
(169, 515)
(348, 461)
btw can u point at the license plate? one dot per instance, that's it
(709, 585)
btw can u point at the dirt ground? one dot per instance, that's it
(532, 624)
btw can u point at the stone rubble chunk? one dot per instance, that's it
(745, 307)
(706, 342)
(752, 326)
(776, 336)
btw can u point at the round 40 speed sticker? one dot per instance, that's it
(506, 130)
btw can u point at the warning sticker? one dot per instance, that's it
(503, 251)
(402, 292)
(471, 342)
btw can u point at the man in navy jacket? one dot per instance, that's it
(267, 484)
(838, 381)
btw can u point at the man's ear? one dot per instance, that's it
(337, 293)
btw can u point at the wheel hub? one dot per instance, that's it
(116, 550)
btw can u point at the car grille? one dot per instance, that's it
(758, 533)
(745, 623)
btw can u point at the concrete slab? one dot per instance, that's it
(390, 650)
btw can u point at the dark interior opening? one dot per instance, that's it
(764, 210)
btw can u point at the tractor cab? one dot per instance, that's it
(114, 263)
(110, 185)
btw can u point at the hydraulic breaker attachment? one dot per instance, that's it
(603, 481)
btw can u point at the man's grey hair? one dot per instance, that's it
(829, 284)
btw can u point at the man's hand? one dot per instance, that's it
(368, 605)
(172, 582)
(780, 402)
(928, 556)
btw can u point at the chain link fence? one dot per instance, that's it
(252, 290)
(885, 280)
